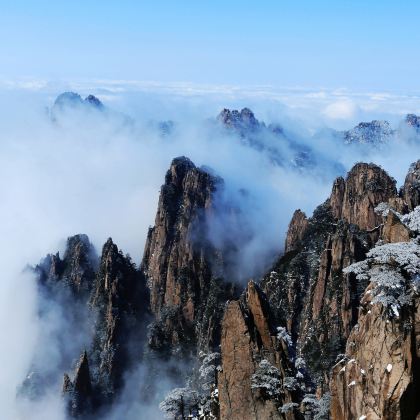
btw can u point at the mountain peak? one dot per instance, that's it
(244, 119)
(413, 120)
(375, 132)
(72, 100)
(93, 100)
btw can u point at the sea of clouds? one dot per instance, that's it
(100, 174)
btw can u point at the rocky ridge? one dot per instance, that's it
(290, 345)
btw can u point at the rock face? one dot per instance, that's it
(78, 394)
(249, 342)
(309, 328)
(75, 272)
(379, 376)
(411, 190)
(183, 269)
(297, 228)
(307, 289)
(394, 230)
(365, 187)
(105, 302)
(310, 295)
(120, 302)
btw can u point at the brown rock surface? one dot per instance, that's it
(394, 230)
(170, 254)
(365, 187)
(411, 190)
(379, 378)
(297, 227)
(246, 340)
(183, 269)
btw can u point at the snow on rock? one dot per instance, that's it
(412, 219)
(393, 268)
(282, 334)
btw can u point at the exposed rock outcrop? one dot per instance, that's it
(74, 273)
(120, 302)
(105, 305)
(307, 289)
(411, 189)
(249, 343)
(310, 295)
(280, 339)
(394, 230)
(297, 228)
(183, 268)
(379, 376)
(78, 393)
(355, 199)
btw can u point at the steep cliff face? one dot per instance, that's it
(257, 375)
(169, 252)
(74, 273)
(183, 269)
(119, 301)
(104, 308)
(310, 295)
(335, 290)
(307, 289)
(78, 393)
(410, 191)
(64, 286)
(296, 231)
(355, 199)
(379, 376)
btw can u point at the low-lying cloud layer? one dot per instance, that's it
(99, 173)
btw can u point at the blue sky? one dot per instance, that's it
(353, 44)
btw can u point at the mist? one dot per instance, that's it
(99, 173)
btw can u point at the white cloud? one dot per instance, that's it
(344, 109)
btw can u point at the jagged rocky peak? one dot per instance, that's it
(257, 379)
(72, 100)
(355, 198)
(94, 101)
(80, 262)
(296, 230)
(413, 120)
(410, 191)
(68, 99)
(183, 269)
(78, 393)
(373, 133)
(75, 271)
(105, 303)
(121, 301)
(244, 119)
(169, 251)
(379, 375)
